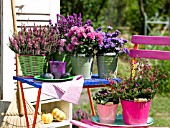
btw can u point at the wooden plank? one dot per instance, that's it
(32, 17)
(32, 20)
(151, 40)
(31, 26)
(27, 13)
(152, 54)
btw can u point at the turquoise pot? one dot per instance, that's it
(107, 65)
(82, 65)
(64, 58)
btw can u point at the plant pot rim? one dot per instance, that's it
(81, 55)
(133, 100)
(106, 54)
(31, 55)
(107, 104)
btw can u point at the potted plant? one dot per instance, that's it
(80, 45)
(137, 91)
(108, 51)
(79, 115)
(107, 102)
(63, 25)
(33, 46)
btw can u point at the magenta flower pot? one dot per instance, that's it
(107, 113)
(135, 113)
(57, 68)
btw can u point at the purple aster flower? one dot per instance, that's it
(116, 33)
(108, 34)
(106, 45)
(99, 29)
(88, 22)
(112, 45)
(109, 40)
(125, 41)
(109, 28)
(126, 50)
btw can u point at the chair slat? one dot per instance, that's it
(152, 54)
(151, 40)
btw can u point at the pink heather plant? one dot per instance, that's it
(81, 40)
(143, 82)
(35, 41)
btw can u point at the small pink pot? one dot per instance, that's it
(107, 113)
(135, 113)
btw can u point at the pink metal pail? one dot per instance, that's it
(107, 113)
(57, 68)
(135, 113)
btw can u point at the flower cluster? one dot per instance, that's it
(64, 24)
(111, 43)
(143, 83)
(34, 41)
(79, 114)
(81, 40)
(103, 96)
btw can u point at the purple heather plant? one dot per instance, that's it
(79, 114)
(111, 42)
(34, 41)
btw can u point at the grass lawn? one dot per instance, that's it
(160, 109)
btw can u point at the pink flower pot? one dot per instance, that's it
(107, 113)
(135, 113)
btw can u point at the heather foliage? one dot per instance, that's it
(34, 41)
(143, 83)
(64, 23)
(79, 114)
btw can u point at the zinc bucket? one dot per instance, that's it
(107, 65)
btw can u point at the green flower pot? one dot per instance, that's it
(82, 65)
(107, 65)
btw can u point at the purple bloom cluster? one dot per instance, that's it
(111, 43)
(79, 114)
(65, 23)
(34, 41)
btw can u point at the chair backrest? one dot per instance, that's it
(150, 40)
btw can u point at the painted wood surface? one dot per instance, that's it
(152, 54)
(151, 40)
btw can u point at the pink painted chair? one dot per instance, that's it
(134, 53)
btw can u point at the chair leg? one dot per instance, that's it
(91, 102)
(36, 108)
(24, 105)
